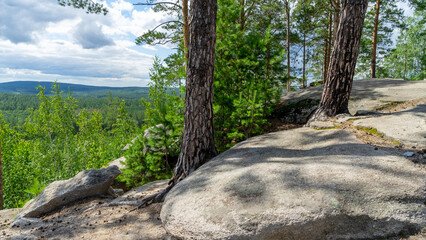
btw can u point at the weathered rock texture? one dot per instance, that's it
(408, 126)
(298, 184)
(88, 183)
(367, 94)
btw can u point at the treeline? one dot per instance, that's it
(14, 107)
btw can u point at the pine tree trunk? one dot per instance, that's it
(185, 34)
(374, 47)
(327, 53)
(325, 67)
(338, 85)
(304, 61)
(287, 9)
(336, 18)
(198, 139)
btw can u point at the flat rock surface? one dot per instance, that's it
(369, 93)
(407, 127)
(299, 184)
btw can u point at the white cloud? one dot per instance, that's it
(54, 42)
(89, 35)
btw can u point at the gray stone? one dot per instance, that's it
(408, 126)
(408, 154)
(322, 125)
(119, 162)
(127, 147)
(88, 183)
(23, 237)
(368, 93)
(23, 222)
(366, 113)
(299, 184)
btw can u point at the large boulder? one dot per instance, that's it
(88, 183)
(299, 184)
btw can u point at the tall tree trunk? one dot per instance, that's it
(325, 67)
(335, 96)
(336, 18)
(198, 138)
(327, 51)
(374, 47)
(304, 61)
(185, 32)
(287, 10)
(1, 178)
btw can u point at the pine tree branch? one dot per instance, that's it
(157, 3)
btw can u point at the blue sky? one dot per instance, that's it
(42, 41)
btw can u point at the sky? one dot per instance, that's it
(43, 41)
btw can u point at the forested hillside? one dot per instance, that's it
(14, 107)
(261, 48)
(78, 90)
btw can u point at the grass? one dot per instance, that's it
(373, 131)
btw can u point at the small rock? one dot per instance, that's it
(407, 154)
(366, 113)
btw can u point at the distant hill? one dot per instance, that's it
(77, 90)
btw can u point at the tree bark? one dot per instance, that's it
(198, 137)
(287, 9)
(304, 61)
(185, 30)
(336, 18)
(338, 86)
(374, 47)
(327, 50)
(198, 145)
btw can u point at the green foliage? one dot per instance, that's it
(408, 59)
(35, 188)
(14, 106)
(88, 5)
(56, 142)
(390, 17)
(152, 154)
(247, 74)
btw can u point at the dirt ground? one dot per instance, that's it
(74, 222)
